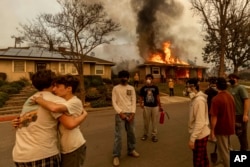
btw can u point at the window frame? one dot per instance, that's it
(14, 63)
(60, 67)
(98, 65)
(154, 69)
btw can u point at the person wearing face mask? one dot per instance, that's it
(198, 124)
(124, 103)
(211, 91)
(242, 103)
(151, 105)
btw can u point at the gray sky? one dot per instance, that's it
(185, 29)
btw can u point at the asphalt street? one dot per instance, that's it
(171, 150)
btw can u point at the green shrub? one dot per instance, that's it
(9, 89)
(3, 76)
(100, 103)
(102, 89)
(25, 81)
(107, 81)
(16, 85)
(2, 82)
(92, 94)
(3, 98)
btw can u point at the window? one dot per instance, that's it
(73, 69)
(99, 69)
(19, 66)
(62, 68)
(156, 70)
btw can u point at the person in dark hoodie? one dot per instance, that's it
(198, 124)
(211, 91)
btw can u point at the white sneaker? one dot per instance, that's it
(116, 161)
(134, 154)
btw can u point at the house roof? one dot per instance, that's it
(33, 53)
(150, 63)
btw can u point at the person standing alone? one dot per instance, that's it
(171, 87)
(136, 80)
(124, 103)
(151, 105)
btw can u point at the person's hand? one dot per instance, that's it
(34, 99)
(212, 136)
(160, 109)
(130, 118)
(191, 145)
(142, 105)
(245, 118)
(122, 116)
(16, 122)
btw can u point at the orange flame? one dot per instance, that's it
(166, 56)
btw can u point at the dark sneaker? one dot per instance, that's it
(144, 137)
(134, 154)
(154, 139)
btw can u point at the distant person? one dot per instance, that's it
(151, 105)
(36, 142)
(211, 91)
(124, 103)
(198, 124)
(73, 144)
(171, 87)
(136, 80)
(222, 120)
(242, 103)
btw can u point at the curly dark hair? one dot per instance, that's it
(43, 79)
(149, 76)
(123, 74)
(221, 83)
(67, 80)
(233, 76)
(194, 82)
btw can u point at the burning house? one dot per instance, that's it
(157, 21)
(163, 65)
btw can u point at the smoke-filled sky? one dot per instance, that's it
(145, 25)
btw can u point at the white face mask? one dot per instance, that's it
(191, 95)
(148, 81)
(214, 87)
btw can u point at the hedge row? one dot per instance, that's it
(8, 88)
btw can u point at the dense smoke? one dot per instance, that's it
(146, 24)
(155, 18)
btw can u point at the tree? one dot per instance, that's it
(238, 46)
(216, 17)
(79, 27)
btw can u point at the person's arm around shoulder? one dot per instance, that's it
(51, 106)
(70, 122)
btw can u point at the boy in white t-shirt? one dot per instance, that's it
(73, 148)
(36, 142)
